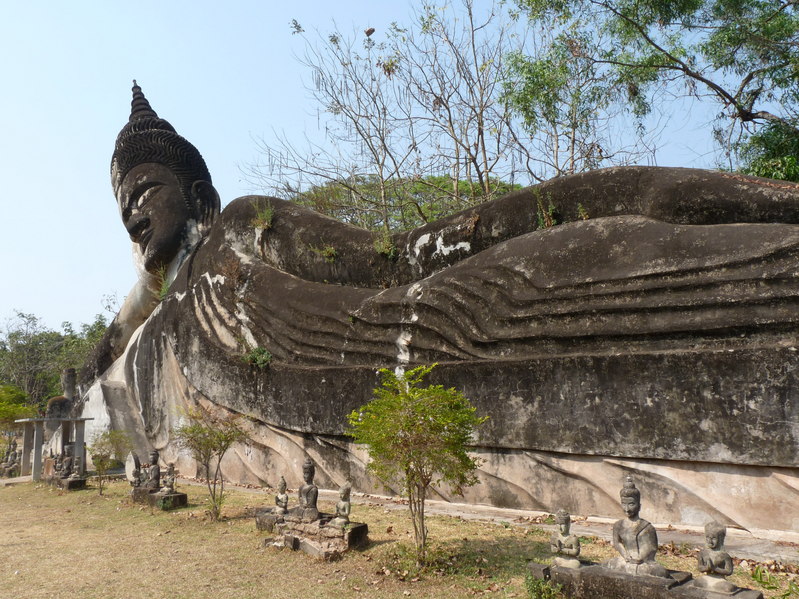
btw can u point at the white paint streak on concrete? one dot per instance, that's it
(244, 320)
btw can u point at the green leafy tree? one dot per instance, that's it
(208, 438)
(32, 356)
(13, 406)
(772, 152)
(418, 121)
(416, 201)
(107, 450)
(417, 436)
(742, 55)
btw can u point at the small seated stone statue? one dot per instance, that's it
(75, 469)
(308, 493)
(565, 544)
(634, 538)
(67, 463)
(11, 466)
(153, 480)
(343, 507)
(714, 562)
(282, 498)
(168, 486)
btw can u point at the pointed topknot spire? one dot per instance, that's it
(139, 106)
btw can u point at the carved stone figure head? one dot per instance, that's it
(564, 521)
(162, 186)
(344, 492)
(308, 471)
(68, 379)
(630, 498)
(281, 485)
(714, 535)
(153, 457)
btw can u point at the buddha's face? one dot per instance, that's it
(564, 527)
(631, 506)
(307, 474)
(712, 541)
(154, 213)
(154, 458)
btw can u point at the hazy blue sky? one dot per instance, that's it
(221, 73)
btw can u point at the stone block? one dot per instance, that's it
(140, 495)
(597, 582)
(266, 520)
(357, 535)
(71, 484)
(168, 501)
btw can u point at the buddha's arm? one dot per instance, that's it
(571, 547)
(137, 307)
(725, 567)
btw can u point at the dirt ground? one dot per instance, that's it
(80, 544)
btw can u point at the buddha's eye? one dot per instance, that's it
(146, 194)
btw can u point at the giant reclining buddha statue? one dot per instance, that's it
(657, 337)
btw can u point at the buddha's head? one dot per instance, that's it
(564, 521)
(630, 498)
(308, 471)
(344, 492)
(714, 535)
(281, 485)
(154, 457)
(68, 378)
(162, 186)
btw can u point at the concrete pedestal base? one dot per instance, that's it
(141, 494)
(71, 484)
(168, 501)
(597, 582)
(317, 538)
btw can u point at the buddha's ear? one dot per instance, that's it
(205, 197)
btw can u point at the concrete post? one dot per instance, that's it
(80, 450)
(38, 441)
(27, 445)
(66, 435)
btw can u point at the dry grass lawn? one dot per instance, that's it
(55, 544)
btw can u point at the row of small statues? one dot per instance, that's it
(10, 465)
(148, 476)
(307, 495)
(636, 541)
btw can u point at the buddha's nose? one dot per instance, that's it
(136, 225)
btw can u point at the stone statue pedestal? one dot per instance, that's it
(317, 538)
(70, 484)
(598, 582)
(168, 501)
(141, 494)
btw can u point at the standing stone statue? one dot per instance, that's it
(308, 493)
(634, 538)
(563, 543)
(282, 498)
(343, 507)
(714, 562)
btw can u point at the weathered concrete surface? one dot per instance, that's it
(656, 339)
(596, 582)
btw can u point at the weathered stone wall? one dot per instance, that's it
(629, 343)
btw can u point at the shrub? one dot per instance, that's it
(208, 438)
(106, 450)
(417, 436)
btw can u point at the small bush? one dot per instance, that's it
(542, 589)
(264, 213)
(327, 252)
(258, 357)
